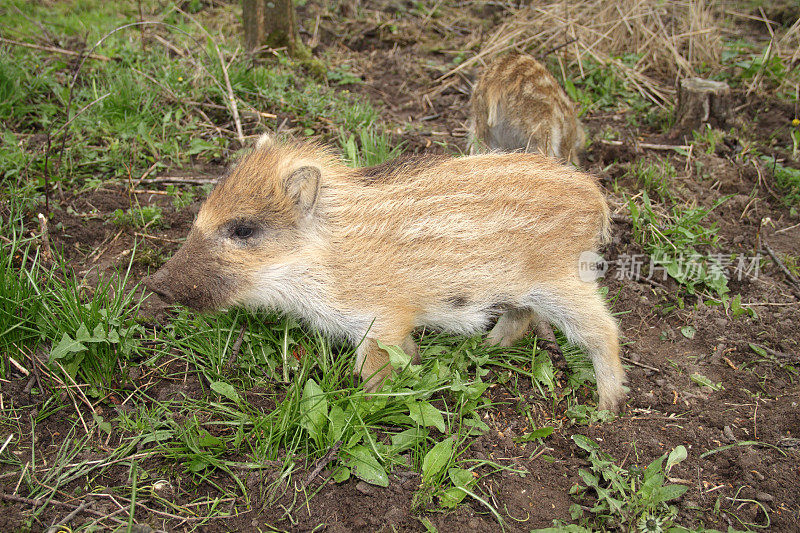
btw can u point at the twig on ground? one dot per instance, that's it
(787, 229)
(637, 363)
(776, 353)
(5, 443)
(648, 146)
(556, 48)
(39, 502)
(154, 237)
(143, 505)
(237, 345)
(788, 273)
(47, 251)
(81, 396)
(57, 526)
(180, 179)
(53, 49)
(329, 456)
(18, 366)
(655, 283)
(100, 250)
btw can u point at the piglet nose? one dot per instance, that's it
(156, 284)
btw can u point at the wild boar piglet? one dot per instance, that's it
(517, 105)
(367, 254)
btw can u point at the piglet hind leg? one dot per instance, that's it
(515, 324)
(510, 327)
(577, 309)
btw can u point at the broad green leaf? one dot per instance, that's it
(535, 434)
(197, 465)
(336, 423)
(675, 456)
(341, 475)
(703, 381)
(313, 409)
(688, 331)
(478, 426)
(461, 477)
(113, 336)
(669, 492)
(451, 497)
(424, 414)
(102, 424)
(586, 443)
(99, 332)
(544, 371)
(207, 440)
(225, 389)
(397, 357)
(408, 439)
(366, 467)
(157, 436)
(437, 458)
(82, 335)
(758, 349)
(65, 347)
(576, 512)
(588, 478)
(654, 467)
(652, 484)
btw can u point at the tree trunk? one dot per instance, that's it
(701, 102)
(271, 23)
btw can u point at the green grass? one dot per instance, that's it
(674, 241)
(20, 272)
(146, 107)
(787, 179)
(603, 89)
(632, 498)
(368, 148)
(654, 177)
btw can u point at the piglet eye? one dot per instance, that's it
(242, 231)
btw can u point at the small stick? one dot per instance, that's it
(53, 49)
(636, 363)
(329, 456)
(47, 252)
(649, 146)
(787, 229)
(776, 353)
(9, 439)
(38, 502)
(780, 264)
(556, 48)
(55, 528)
(154, 237)
(237, 345)
(18, 366)
(179, 179)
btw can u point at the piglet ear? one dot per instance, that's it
(302, 186)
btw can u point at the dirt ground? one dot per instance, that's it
(747, 484)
